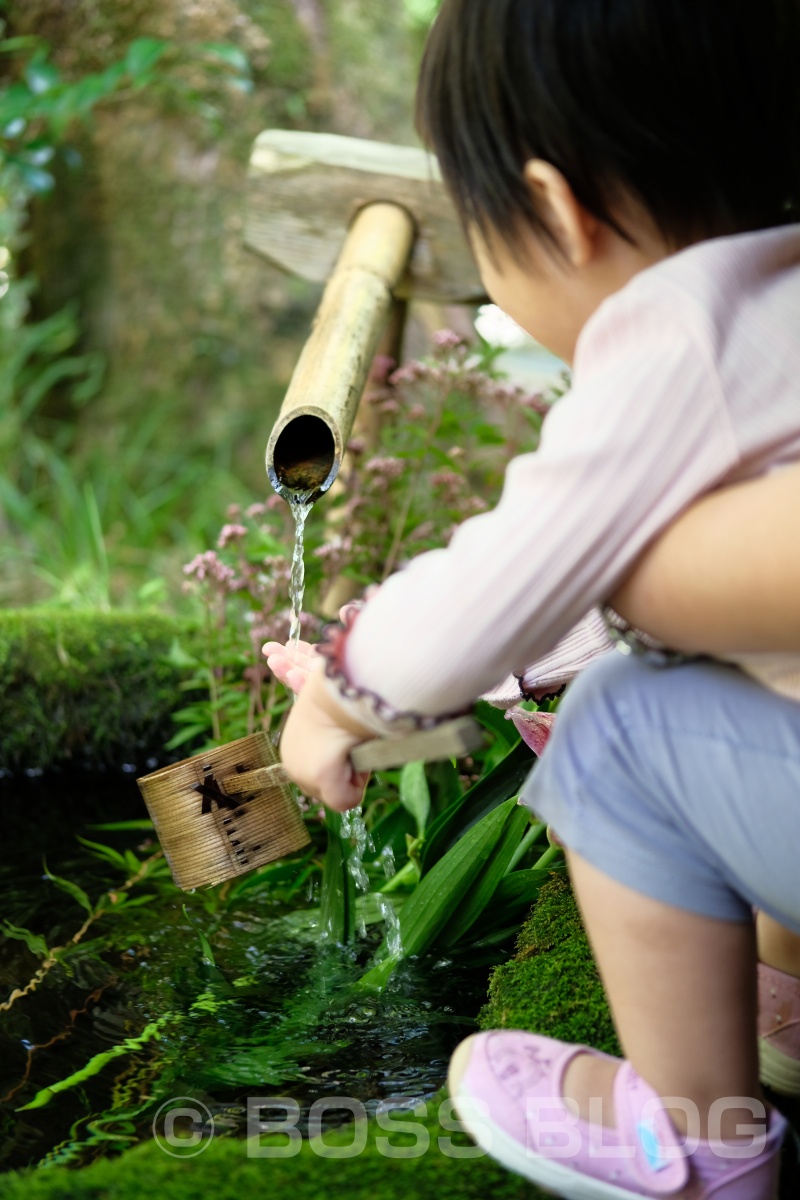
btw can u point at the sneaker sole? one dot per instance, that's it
(550, 1175)
(494, 1141)
(777, 1070)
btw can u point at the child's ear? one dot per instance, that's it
(574, 228)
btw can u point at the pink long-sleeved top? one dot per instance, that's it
(685, 379)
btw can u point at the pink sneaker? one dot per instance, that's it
(779, 1030)
(507, 1089)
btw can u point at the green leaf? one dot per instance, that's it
(337, 894)
(178, 657)
(71, 889)
(186, 735)
(390, 831)
(205, 945)
(35, 943)
(121, 826)
(494, 719)
(291, 873)
(28, 42)
(414, 794)
(378, 976)
(434, 901)
(228, 54)
(107, 853)
(445, 784)
(251, 1065)
(504, 781)
(483, 888)
(41, 76)
(82, 97)
(142, 55)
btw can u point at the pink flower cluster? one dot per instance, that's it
(385, 468)
(230, 533)
(209, 567)
(447, 340)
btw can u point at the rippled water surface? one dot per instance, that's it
(274, 1013)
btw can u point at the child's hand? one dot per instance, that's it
(291, 664)
(316, 744)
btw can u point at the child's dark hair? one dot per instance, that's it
(689, 107)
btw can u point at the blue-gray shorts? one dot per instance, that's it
(681, 782)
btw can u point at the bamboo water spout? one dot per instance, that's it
(375, 223)
(310, 437)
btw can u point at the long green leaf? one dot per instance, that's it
(390, 831)
(494, 719)
(415, 795)
(447, 885)
(503, 782)
(205, 945)
(445, 784)
(337, 895)
(35, 943)
(143, 824)
(515, 894)
(485, 885)
(226, 53)
(71, 889)
(107, 853)
(142, 56)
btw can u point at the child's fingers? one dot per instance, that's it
(302, 655)
(280, 668)
(296, 653)
(342, 794)
(295, 679)
(291, 664)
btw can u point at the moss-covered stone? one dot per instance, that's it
(224, 1171)
(85, 688)
(551, 985)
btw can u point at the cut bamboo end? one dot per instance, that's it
(310, 436)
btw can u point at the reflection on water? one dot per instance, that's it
(273, 1014)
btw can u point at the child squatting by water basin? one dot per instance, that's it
(628, 174)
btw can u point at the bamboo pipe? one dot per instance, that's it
(310, 436)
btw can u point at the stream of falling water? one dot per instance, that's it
(356, 832)
(300, 504)
(353, 828)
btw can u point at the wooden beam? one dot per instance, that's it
(304, 190)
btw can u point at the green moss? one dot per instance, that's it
(223, 1171)
(85, 687)
(551, 986)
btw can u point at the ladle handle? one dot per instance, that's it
(451, 739)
